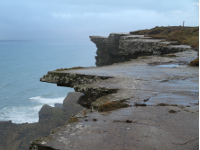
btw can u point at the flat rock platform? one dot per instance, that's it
(163, 113)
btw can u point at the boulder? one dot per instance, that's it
(58, 105)
(48, 113)
(70, 103)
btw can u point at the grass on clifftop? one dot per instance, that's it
(183, 35)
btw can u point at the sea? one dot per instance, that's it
(23, 63)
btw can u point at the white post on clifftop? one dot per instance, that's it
(183, 23)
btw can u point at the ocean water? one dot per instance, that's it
(23, 63)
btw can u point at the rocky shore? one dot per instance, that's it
(18, 136)
(143, 95)
(146, 103)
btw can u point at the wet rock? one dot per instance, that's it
(70, 103)
(58, 105)
(18, 136)
(138, 83)
(48, 112)
(59, 116)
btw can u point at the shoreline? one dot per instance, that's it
(162, 99)
(18, 136)
(146, 88)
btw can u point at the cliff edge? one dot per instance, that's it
(158, 97)
(120, 47)
(144, 95)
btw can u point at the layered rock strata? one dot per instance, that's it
(62, 78)
(119, 47)
(167, 86)
(79, 82)
(162, 94)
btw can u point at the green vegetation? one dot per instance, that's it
(73, 119)
(183, 35)
(108, 106)
(195, 62)
(63, 69)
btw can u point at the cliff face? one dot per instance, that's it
(166, 85)
(80, 84)
(119, 47)
(162, 95)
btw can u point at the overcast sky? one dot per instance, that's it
(77, 19)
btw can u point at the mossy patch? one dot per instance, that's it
(195, 62)
(108, 106)
(73, 119)
(63, 69)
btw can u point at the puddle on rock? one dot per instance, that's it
(168, 66)
(172, 99)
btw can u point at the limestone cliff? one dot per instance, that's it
(166, 85)
(80, 84)
(162, 98)
(119, 47)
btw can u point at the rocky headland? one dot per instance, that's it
(158, 101)
(148, 101)
(143, 95)
(120, 47)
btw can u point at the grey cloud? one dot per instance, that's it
(62, 19)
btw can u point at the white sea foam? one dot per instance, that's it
(27, 114)
(49, 101)
(18, 84)
(20, 114)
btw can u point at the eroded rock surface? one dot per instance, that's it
(120, 47)
(162, 94)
